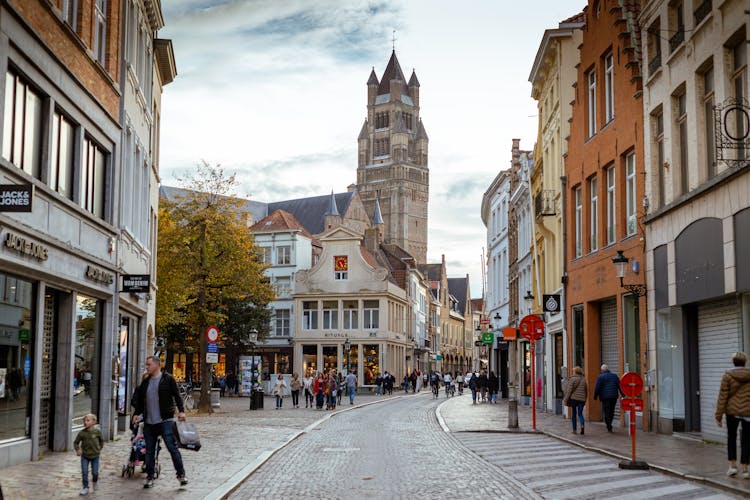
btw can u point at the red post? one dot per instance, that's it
(533, 386)
(632, 433)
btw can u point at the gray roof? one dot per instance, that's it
(377, 218)
(457, 287)
(310, 211)
(258, 209)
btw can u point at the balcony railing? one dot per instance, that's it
(702, 11)
(544, 203)
(654, 64)
(677, 39)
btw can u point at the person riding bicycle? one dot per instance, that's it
(434, 382)
(448, 381)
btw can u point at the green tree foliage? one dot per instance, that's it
(206, 265)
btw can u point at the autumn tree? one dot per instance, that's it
(207, 265)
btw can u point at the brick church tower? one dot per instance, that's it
(392, 156)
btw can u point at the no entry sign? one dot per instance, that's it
(532, 327)
(212, 334)
(631, 384)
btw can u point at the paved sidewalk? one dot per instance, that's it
(686, 458)
(234, 442)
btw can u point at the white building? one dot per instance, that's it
(695, 98)
(286, 247)
(495, 203)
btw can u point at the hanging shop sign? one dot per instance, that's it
(551, 303)
(136, 283)
(16, 197)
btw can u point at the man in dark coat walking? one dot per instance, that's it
(607, 389)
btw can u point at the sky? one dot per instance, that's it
(275, 92)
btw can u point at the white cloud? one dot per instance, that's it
(276, 91)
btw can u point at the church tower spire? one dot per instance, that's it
(392, 172)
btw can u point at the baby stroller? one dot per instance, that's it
(138, 453)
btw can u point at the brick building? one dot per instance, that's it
(605, 182)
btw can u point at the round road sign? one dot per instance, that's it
(532, 327)
(631, 384)
(212, 334)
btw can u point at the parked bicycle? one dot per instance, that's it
(186, 393)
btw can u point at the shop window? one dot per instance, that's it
(309, 359)
(16, 315)
(578, 353)
(352, 358)
(370, 362)
(330, 358)
(85, 376)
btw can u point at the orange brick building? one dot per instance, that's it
(605, 185)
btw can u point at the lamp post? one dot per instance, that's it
(637, 290)
(347, 347)
(253, 338)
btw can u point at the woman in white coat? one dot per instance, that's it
(279, 389)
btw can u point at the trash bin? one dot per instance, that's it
(256, 400)
(215, 402)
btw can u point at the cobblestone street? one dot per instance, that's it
(231, 438)
(391, 450)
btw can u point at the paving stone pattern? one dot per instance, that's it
(392, 450)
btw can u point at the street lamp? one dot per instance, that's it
(529, 298)
(347, 347)
(636, 289)
(252, 337)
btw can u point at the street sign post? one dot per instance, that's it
(212, 334)
(212, 347)
(532, 328)
(632, 385)
(212, 357)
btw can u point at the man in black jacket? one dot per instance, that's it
(156, 399)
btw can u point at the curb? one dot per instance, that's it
(231, 484)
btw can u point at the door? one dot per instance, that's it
(610, 352)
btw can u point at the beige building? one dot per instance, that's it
(695, 98)
(552, 77)
(350, 295)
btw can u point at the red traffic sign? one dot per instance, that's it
(632, 404)
(212, 334)
(532, 327)
(631, 384)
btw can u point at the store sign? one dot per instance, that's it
(136, 283)
(26, 247)
(16, 197)
(98, 274)
(341, 263)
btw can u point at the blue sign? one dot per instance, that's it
(26, 367)
(212, 347)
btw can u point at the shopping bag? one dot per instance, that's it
(187, 436)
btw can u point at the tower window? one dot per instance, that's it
(382, 120)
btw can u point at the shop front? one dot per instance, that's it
(56, 359)
(369, 358)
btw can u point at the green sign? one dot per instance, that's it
(24, 335)
(438, 357)
(488, 338)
